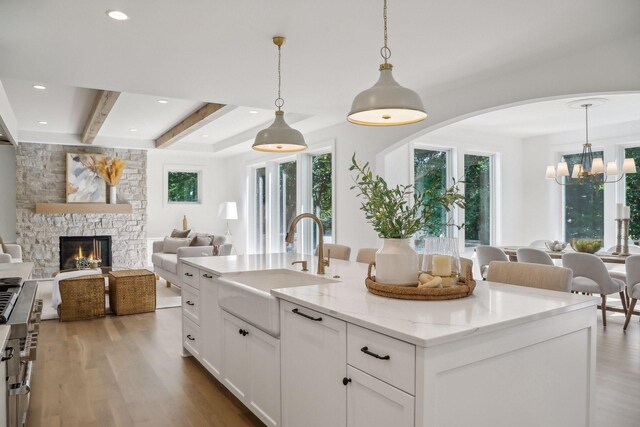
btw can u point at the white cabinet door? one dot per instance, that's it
(374, 403)
(235, 356)
(264, 376)
(314, 355)
(210, 324)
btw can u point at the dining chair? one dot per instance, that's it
(533, 256)
(486, 254)
(541, 244)
(531, 275)
(366, 255)
(633, 285)
(590, 276)
(337, 251)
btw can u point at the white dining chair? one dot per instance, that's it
(486, 254)
(366, 255)
(531, 275)
(533, 256)
(337, 251)
(590, 276)
(541, 244)
(633, 285)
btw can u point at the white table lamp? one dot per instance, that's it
(228, 211)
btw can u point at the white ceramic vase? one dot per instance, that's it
(397, 263)
(113, 197)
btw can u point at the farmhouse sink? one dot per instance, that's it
(247, 296)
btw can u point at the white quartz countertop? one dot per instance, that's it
(493, 306)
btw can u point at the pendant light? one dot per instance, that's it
(386, 103)
(279, 137)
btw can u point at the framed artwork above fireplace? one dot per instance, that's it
(84, 184)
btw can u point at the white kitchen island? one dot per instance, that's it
(505, 356)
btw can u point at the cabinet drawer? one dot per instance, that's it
(388, 359)
(206, 279)
(191, 303)
(191, 337)
(190, 275)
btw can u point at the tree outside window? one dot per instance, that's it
(584, 206)
(183, 187)
(632, 187)
(430, 171)
(477, 196)
(321, 194)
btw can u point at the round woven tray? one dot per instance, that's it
(463, 289)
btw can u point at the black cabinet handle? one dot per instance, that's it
(365, 350)
(190, 338)
(240, 331)
(190, 303)
(9, 355)
(243, 332)
(315, 319)
(207, 276)
(188, 274)
(346, 380)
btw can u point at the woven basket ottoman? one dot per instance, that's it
(82, 298)
(132, 291)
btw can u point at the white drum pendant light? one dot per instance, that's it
(279, 137)
(386, 103)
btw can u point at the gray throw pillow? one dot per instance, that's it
(219, 240)
(201, 240)
(172, 244)
(180, 233)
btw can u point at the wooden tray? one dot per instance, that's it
(465, 287)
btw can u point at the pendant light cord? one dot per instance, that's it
(586, 122)
(279, 101)
(385, 52)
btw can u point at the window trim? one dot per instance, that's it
(199, 169)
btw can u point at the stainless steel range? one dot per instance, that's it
(20, 310)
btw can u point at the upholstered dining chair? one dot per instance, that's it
(533, 256)
(366, 255)
(540, 244)
(590, 276)
(531, 275)
(337, 251)
(633, 285)
(486, 254)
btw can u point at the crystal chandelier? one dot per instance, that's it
(589, 169)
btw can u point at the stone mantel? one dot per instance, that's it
(83, 208)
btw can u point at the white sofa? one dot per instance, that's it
(13, 253)
(168, 265)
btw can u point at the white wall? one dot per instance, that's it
(8, 193)
(203, 217)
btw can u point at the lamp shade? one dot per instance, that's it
(612, 168)
(629, 166)
(228, 210)
(386, 103)
(576, 171)
(563, 169)
(279, 137)
(551, 172)
(597, 166)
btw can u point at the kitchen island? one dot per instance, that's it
(507, 355)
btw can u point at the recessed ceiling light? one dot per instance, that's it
(117, 15)
(133, 130)
(39, 87)
(205, 136)
(42, 123)
(253, 112)
(162, 101)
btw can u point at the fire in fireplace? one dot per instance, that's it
(73, 248)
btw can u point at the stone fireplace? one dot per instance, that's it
(73, 248)
(41, 178)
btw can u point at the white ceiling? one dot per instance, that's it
(214, 51)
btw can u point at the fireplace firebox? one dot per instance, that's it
(92, 247)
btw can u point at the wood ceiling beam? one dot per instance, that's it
(102, 105)
(190, 124)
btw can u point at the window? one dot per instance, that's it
(287, 200)
(477, 197)
(430, 172)
(183, 187)
(583, 206)
(260, 243)
(632, 185)
(322, 195)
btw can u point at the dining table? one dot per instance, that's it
(606, 257)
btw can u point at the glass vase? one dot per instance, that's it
(441, 257)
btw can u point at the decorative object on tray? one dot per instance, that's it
(84, 263)
(441, 259)
(396, 220)
(185, 223)
(623, 220)
(425, 286)
(111, 171)
(590, 246)
(84, 183)
(555, 245)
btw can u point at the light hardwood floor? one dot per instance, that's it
(127, 370)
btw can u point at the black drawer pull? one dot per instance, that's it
(243, 332)
(9, 355)
(188, 274)
(190, 303)
(207, 276)
(365, 350)
(346, 380)
(190, 338)
(315, 319)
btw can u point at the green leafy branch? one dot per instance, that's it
(388, 209)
